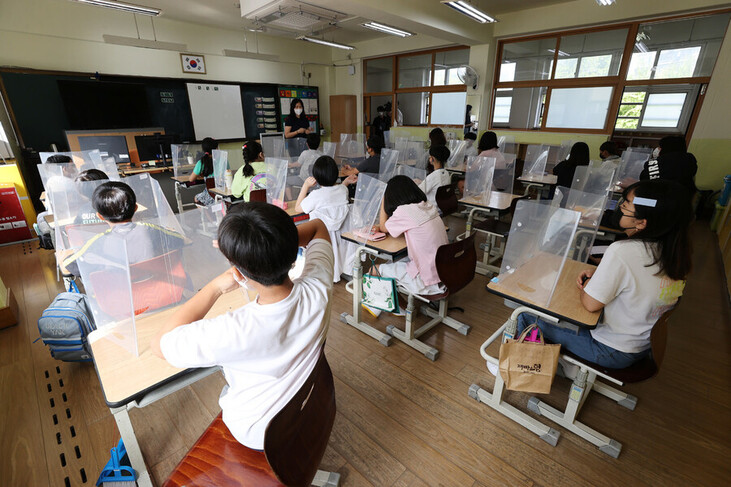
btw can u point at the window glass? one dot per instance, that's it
(630, 109)
(507, 72)
(447, 64)
(448, 108)
(641, 64)
(595, 54)
(414, 107)
(532, 59)
(677, 63)
(379, 75)
(414, 71)
(519, 107)
(581, 108)
(663, 109)
(502, 109)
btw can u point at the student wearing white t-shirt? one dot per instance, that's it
(439, 177)
(329, 203)
(638, 279)
(269, 347)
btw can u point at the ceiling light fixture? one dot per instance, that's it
(126, 7)
(605, 3)
(386, 29)
(470, 11)
(324, 42)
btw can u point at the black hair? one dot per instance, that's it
(436, 137)
(579, 155)
(59, 159)
(487, 141)
(260, 240)
(376, 143)
(470, 135)
(208, 145)
(91, 175)
(251, 151)
(401, 190)
(293, 104)
(380, 109)
(668, 224)
(325, 171)
(313, 140)
(440, 153)
(114, 201)
(673, 143)
(610, 147)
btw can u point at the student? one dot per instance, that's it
(380, 124)
(564, 170)
(638, 279)
(439, 177)
(116, 204)
(203, 170)
(248, 177)
(488, 148)
(671, 160)
(436, 137)
(329, 203)
(268, 347)
(468, 124)
(608, 151)
(372, 164)
(296, 123)
(89, 217)
(405, 211)
(470, 149)
(308, 157)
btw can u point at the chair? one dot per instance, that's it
(495, 229)
(456, 268)
(294, 443)
(258, 195)
(446, 198)
(585, 381)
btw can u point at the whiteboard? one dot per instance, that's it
(448, 108)
(217, 111)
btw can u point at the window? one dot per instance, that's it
(428, 88)
(5, 151)
(575, 79)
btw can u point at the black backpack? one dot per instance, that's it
(65, 324)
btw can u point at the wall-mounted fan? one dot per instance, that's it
(468, 76)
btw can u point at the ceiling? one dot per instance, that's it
(418, 16)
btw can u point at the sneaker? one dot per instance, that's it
(493, 368)
(374, 311)
(567, 369)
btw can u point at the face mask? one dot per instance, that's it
(656, 153)
(298, 111)
(617, 217)
(244, 283)
(601, 156)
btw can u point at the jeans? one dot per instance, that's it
(581, 343)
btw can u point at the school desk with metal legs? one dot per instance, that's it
(390, 249)
(130, 381)
(541, 183)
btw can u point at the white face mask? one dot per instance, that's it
(656, 153)
(298, 111)
(244, 283)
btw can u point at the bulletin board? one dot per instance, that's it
(310, 99)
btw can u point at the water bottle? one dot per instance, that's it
(229, 178)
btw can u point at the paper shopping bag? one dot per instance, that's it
(380, 292)
(527, 366)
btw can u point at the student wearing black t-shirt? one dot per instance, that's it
(373, 163)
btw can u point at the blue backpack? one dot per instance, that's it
(65, 324)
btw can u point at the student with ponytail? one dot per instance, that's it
(204, 169)
(245, 178)
(638, 279)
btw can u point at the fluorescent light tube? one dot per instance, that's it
(250, 55)
(324, 42)
(605, 3)
(126, 7)
(468, 10)
(386, 29)
(148, 44)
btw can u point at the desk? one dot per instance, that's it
(128, 381)
(139, 170)
(390, 249)
(541, 182)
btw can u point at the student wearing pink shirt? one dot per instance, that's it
(405, 211)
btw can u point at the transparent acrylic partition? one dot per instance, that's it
(108, 282)
(456, 153)
(565, 149)
(387, 166)
(152, 206)
(478, 179)
(418, 153)
(293, 147)
(60, 175)
(366, 207)
(536, 157)
(633, 162)
(276, 181)
(506, 144)
(504, 177)
(554, 157)
(220, 165)
(540, 238)
(273, 146)
(83, 160)
(594, 178)
(185, 157)
(352, 146)
(401, 144)
(591, 207)
(76, 221)
(306, 161)
(203, 220)
(416, 174)
(387, 138)
(329, 148)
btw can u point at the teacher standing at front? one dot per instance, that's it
(296, 124)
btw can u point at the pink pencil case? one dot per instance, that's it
(374, 237)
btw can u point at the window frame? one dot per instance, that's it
(619, 82)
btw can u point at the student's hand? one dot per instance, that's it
(353, 178)
(225, 282)
(214, 243)
(583, 277)
(310, 182)
(308, 130)
(300, 131)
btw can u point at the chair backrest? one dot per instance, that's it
(446, 198)
(258, 195)
(296, 438)
(659, 336)
(210, 183)
(456, 263)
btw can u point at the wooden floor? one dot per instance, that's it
(402, 420)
